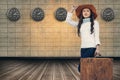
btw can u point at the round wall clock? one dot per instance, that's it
(37, 14)
(107, 14)
(61, 14)
(13, 14)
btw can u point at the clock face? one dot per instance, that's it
(61, 14)
(13, 14)
(108, 14)
(37, 14)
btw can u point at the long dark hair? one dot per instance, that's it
(81, 21)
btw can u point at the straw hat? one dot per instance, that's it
(81, 7)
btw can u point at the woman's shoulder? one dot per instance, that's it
(96, 22)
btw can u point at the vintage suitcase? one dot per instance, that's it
(96, 69)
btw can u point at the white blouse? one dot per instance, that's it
(88, 40)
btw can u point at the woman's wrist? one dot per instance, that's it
(72, 10)
(97, 46)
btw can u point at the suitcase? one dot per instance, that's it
(96, 69)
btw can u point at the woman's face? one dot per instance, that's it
(86, 13)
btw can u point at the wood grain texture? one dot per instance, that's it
(45, 70)
(96, 69)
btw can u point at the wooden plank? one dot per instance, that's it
(96, 69)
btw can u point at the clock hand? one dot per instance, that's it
(14, 14)
(39, 13)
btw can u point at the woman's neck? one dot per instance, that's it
(86, 20)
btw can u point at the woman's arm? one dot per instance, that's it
(97, 39)
(69, 17)
(96, 29)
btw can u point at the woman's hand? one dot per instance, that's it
(73, 8)
(97, 51)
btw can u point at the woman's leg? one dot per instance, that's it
(79, 67)
(85, 53)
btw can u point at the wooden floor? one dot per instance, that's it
(45, 70)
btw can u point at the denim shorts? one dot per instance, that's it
(87, 52)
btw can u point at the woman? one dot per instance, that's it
(87, 29)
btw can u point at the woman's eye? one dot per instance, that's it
(87, 10)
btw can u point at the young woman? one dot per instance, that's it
(87, 29)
